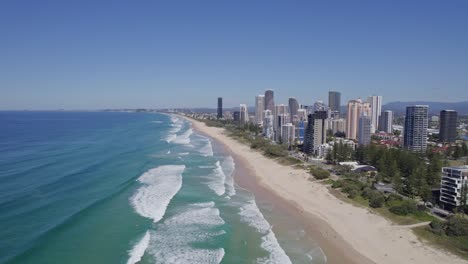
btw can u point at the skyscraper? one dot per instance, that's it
(220, 108)
(320, 129)
(259, 108)
(448, 126)
(269, 100)
(315, 132)
(268, 124)
(244, 114)
(308, 146)
(415, 132)
(356, 108)
(293, 107)
(375, 102)
(364, 137)
(334, 100)
(386, 121)
(288, 134)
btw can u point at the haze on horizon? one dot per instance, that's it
(126, 54)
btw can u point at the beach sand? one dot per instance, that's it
(346, 233)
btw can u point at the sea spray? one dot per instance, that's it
(217, 180)
(250, 214)
(139, 249)
(159, 187)
(228, 167)
(173, 240)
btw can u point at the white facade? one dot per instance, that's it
(259, 108)
(375, 102)
(337, 125)
(244, 114)
(365, 125)
(268, 124)
(451, 185)
(288, 133)
(356, 108)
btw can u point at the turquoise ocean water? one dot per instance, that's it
(103, 187)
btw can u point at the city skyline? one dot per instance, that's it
(129, 55)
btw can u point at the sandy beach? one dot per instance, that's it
(346, 233)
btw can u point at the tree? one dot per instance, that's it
(376, 200)
(464, 197)
(425, 193)
(434, 170)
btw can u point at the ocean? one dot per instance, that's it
(114, 187)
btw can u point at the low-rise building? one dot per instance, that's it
(453, 186)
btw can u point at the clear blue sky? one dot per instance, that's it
(88, 55)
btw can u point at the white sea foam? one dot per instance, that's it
(250, 214)
(173, 240)
(139, 249)
(207, 149)
(184, 153)
(207, 167)
(176, 127)
(217, 180)
(157, 122)
(228, 166)
(184, 138)
(160, 185)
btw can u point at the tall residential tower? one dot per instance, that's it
(259, 108)
(375, 102)
(334, 100)
(220, 108)
(269, 100)
(448, 126)
(415, 132)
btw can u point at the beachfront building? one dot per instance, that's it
(454, 186)
(386, 122)
(334, 101)
(259, 108)
(269, 101)
(375, 102)
(281, 120)
(415, 131)
(288, 134)
(244, 114)
(268, 131)
(315, 132)
(356, 108)
(320, 129)
(220, 108)
(448, 126)
(365, 126)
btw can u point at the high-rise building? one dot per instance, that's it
(334, 101)
(269, 100)
(308, 146)
(301, 115)
(320, 129)
(448, 126)
(281, 119)
(452, 183)
(268, 131)
(259, 108)
(293, 107)
(415, 131)
(375, 102)
(356, 108)
(220, 108)
(364, 135)
(236, 117)
(320, 106)
(315, 132)
(244, 114)
(386, 121)
(288, 134)
(337, 125)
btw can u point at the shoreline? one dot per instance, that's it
(346, 233)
